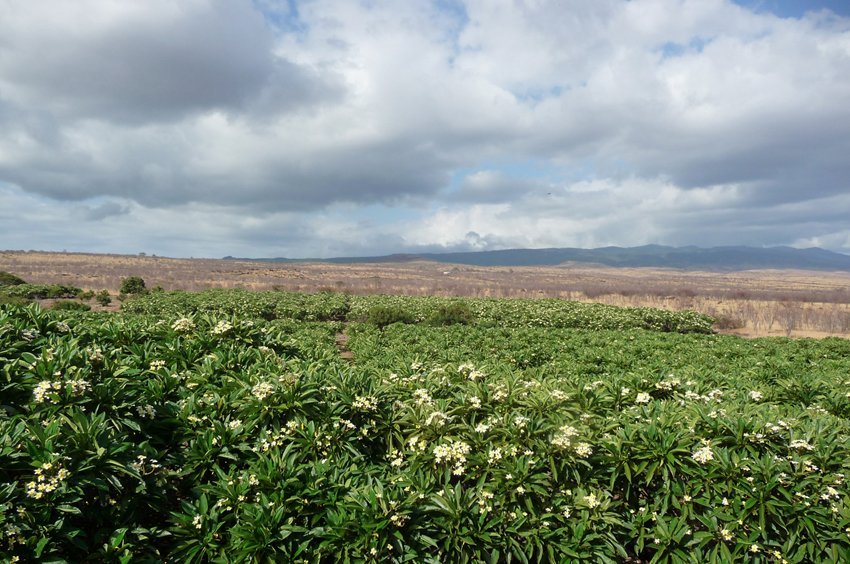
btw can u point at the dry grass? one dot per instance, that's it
(762, 302)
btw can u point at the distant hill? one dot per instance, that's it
(656, 256)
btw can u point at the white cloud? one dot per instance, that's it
(213, 126)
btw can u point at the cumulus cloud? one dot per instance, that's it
(329, 127)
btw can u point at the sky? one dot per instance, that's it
(323, 128)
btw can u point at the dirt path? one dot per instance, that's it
(342, 344)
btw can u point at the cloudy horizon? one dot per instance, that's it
(328, 128)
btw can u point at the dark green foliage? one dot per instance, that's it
(265, 305)
(13, 300)
(454, 313)
(133, 285)
(9, 279)
(382, 316)
(87, 295)
(70, 305)
(41, 291)
(103, 298)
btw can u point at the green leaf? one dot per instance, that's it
(39, 547)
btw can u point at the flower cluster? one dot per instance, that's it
(77, 386)
(714, 395)
(44, 388)
(365, 403)
(437, 419)
(29, 334)
(277, 439)
(48, 390)
(484, 426)
(801, 445)
(262, 390)
(582, 450)
(558, 395)
(703, 455)
(417, 444)
(95, 355)
(13, 536)
(670, 385)
(485, 501)
(498, 392)
(288, 379)
(643, 397)
(591, 501)
(470, 372)
(398, 520)
(453, 453)
(146, 411)
(222, 328)
(48, 477)
(565, 440)
(831, 493)
(422, 397)
(185, 325)
(565, 436)
(344, 424)
(145, 465)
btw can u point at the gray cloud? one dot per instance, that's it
(104, 210)
(156, 61)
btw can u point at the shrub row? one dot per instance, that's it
(385, 310)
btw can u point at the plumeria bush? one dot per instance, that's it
(9, 279)
(227, 427)
(384, 310)
(40, 291)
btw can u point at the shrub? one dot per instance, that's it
(103, 298)
(87, 295)
(69, 305)
(133, 285)
(9, 279)
(456, 313)
(62, 291)
(41, 291)
(13, 300)
(382, 316)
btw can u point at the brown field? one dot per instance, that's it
(751, 303)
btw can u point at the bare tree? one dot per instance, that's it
(789, 318)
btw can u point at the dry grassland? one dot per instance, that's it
(752, 303)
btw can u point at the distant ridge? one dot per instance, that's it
(657, 256)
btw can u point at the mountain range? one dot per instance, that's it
(656, 256)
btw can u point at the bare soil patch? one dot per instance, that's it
(342, 344)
